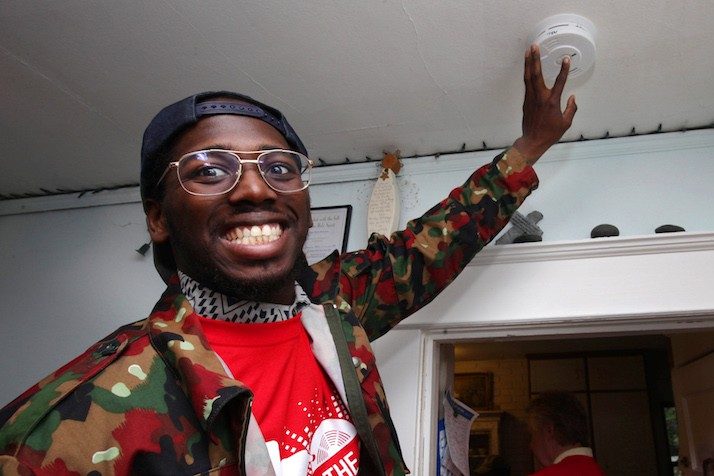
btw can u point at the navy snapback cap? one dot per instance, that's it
(175, 118)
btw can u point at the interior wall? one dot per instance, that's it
(510, 396)
(72, 276)
(688, 347)
(636, 183)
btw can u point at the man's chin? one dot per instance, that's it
(261, 286)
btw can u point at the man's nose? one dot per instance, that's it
(251, 186)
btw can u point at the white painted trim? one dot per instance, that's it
(69, 201)
(427, 406)
(570, 325)
(595, 248)
(453, 162)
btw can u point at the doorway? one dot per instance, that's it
(623, 382)
(678, 363)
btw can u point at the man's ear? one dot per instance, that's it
(156, 221)
(548, 429)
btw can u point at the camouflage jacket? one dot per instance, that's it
(152, 398)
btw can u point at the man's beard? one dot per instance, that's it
(258, 290)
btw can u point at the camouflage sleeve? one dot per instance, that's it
(393, 278)
(9, 465)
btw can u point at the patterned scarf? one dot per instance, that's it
(214, 305)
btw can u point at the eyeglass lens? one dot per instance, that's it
(214, 172)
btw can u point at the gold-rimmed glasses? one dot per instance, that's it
(216, 171)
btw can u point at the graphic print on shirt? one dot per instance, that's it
(305, 423)
(335, 449)
(319, 440)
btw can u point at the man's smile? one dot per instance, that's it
(254, 235)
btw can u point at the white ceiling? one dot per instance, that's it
(80, 79)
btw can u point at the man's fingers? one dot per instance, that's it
(562, 77)
(537, 73)
(570, 110)
(528, 71)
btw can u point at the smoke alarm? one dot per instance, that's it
(565, 35)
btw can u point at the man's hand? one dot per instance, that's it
(543, 121)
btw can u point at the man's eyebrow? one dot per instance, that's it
(229, 147)
(272, 146)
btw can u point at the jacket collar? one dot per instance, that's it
(176, 334)
(321, 280)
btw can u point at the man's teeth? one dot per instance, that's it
(254, 235)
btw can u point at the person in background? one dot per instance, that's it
(252, 362)
(558, 427)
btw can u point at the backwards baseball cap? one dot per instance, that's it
(165, 127)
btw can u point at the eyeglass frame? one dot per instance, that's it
(239, 172)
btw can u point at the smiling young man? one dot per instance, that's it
(252, 362)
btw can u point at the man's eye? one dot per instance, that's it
(211, 171)
(280, 169)
(205, 173)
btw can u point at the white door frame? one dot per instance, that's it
(663, 286)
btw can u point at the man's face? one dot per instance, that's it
(541, 441)
(202, 229)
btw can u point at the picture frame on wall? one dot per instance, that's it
(329, 232)
(475, 389)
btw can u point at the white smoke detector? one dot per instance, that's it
(564, 35)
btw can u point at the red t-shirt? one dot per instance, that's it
(572, 465)
(301, 415)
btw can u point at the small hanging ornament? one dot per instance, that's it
(383, 212)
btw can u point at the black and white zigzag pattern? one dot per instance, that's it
(215, 305)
